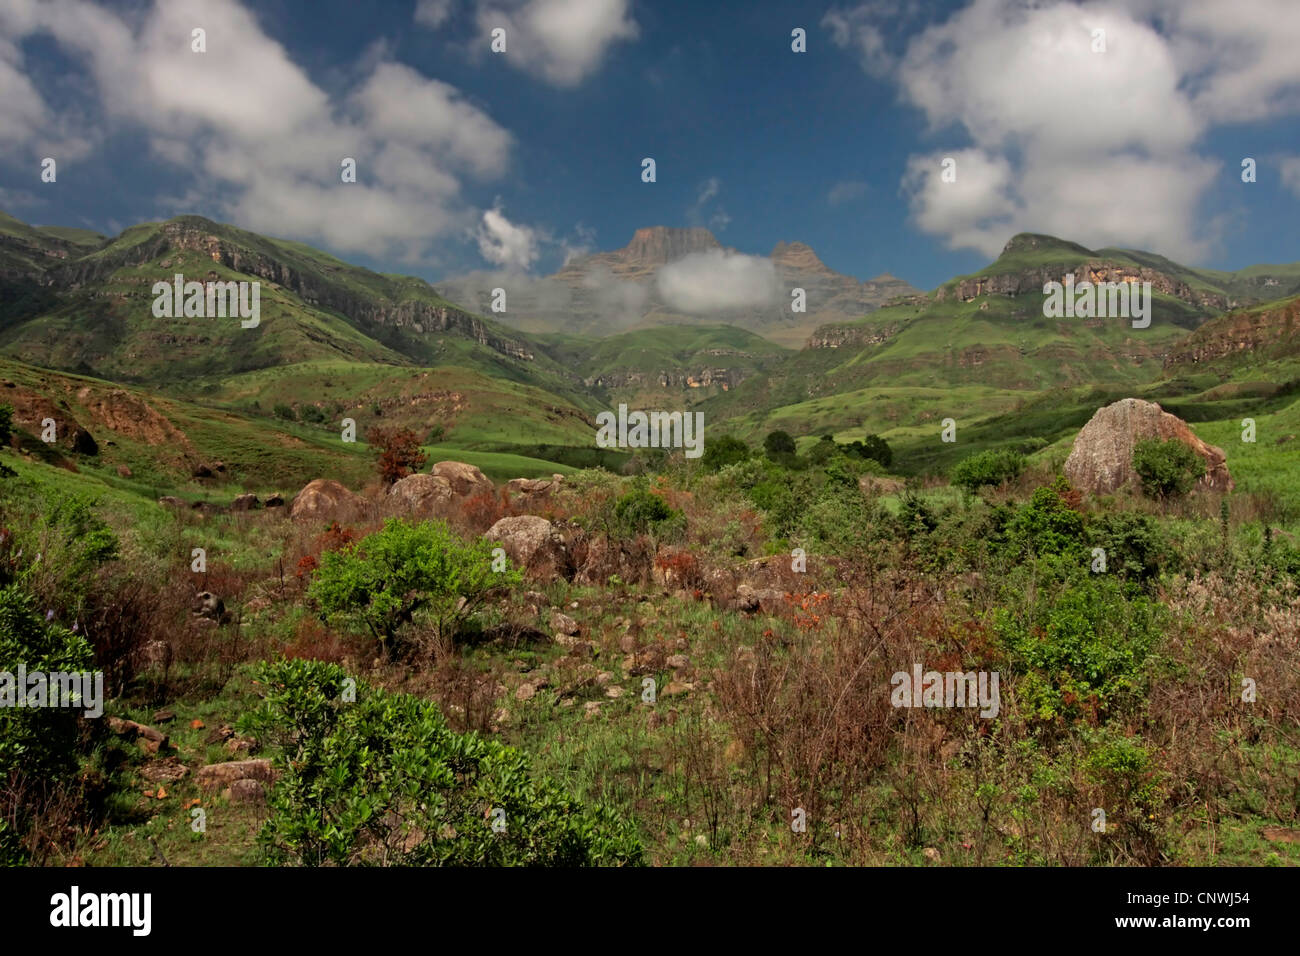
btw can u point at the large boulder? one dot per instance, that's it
(533, 492)
(326, 499)
(1102, 458)
(420, 494)
(531, 542)
(465, 480)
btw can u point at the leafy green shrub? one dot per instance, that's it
(778, 444)
(382, 780)
(872, 447)
(1047, 524)
(38, 745)
(284, 411)
(987, 468)
(408, 572)
(1167, 469)
(6, 423)
(722, 451)
(1082, 651)
(312, 414)
(640, 512)
(1133, 544)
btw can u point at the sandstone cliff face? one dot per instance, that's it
(1031, 281)
(839, 336)
(669, 378)
(1102, 458)
(1268, 331)
(190, 235)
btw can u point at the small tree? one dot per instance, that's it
(404, 571)
(1167, 469)
(876, 448)
(399, 452)
(722, 451)
(987, 468)
(778, 445)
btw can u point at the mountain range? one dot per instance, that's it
(336, 340)
(666, 276)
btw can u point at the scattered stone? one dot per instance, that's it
(166, 770)
(614, 691)
(324, 499)
(123, 471)
(221, 733)
(245, 502)
(678, 661)
(564, 624)
(275, 501)
(245, 791)
(236, 745)
(169, 501)
(1281, 834)
(217, 776)
(591, 708)
(150, 740)
(531, 542)
(627, 644)
(526, 692)
(931, 854)
(676, 689)
(420, 494)
(163, 716)
(465, 480)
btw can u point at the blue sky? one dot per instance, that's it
(469, 159)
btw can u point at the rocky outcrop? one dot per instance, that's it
(1101, 460)
(532, 543)
(421, 494)
(326, 500)
(727, 378)
(533, 492)
(464, 480)
(1258, 334)
(859, 336)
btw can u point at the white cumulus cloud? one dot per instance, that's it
(562, 41)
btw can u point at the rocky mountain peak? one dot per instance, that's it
(660, 245)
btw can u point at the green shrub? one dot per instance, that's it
(1133, 544)
(38, 745)
(987, 468)
(312, 414)
(284, 411)
(722, 451)
(872, 447)
(382, 780)
(1167, 469)
(1047, 525)
(6, 423)
(778, 445)
(1080, 652)
(406, 573)
(640, 512)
